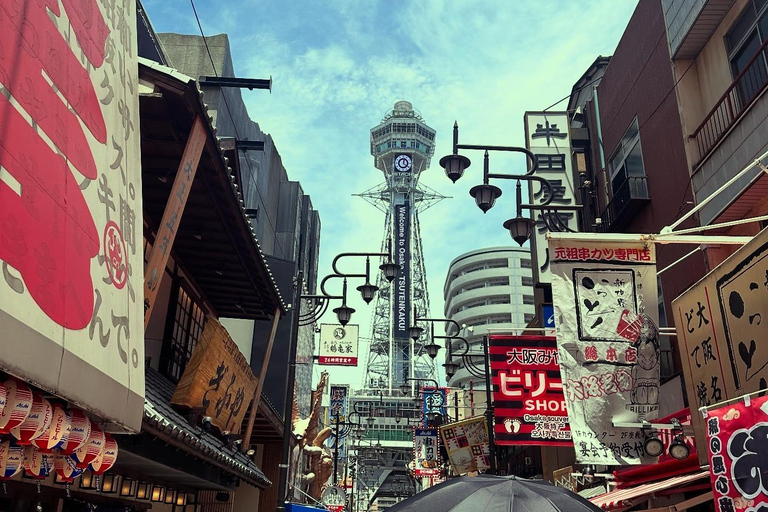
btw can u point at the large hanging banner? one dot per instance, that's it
(338, 410)
(606, 315)
(528, 400)
(71, 305)
(466, 443)
(720, 335)
(426, 452)
(737, 435)
(433, 401)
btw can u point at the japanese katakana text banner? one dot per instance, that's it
(606, 316)
(528, 400)
(426, 452)
(737, 436)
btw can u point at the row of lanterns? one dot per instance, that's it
(47, 436)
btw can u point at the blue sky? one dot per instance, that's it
(337, 67)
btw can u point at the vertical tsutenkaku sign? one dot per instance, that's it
(737, 438)
(338, 411)
(338, 344)
(402, 291)
(720, 335)
(606, 314)
(547, 136)
(529, 405)
(70, 203)
(426, 452)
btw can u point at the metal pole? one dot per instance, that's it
(336, 453)
(488, 409)
(282, 483)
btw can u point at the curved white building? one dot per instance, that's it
(488, 289)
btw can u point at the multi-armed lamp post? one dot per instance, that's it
(319, 305)
(519, 227)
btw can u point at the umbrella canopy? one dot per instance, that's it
(489, 493)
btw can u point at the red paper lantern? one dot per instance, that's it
(36, 464)
(66, 468)
(17, 406)
(79, 432)
(57, 433)
(91, 449)
(107, 458)
(11, 459)
(37, 422)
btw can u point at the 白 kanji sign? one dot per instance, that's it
(71, 204)
(338, 344)
(737, 438)
(606, 316)
(528, 400)
(720, 335)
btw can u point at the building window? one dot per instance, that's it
(525, 263)
(743, 41)
(527, 299)
(528, 318)
(184, 327)
(526, 281)
(497, 264)
(627, 160)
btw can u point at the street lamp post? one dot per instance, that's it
(520, 228)
(469, 364)
(320, 304)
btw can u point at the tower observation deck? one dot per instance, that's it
(402, 145)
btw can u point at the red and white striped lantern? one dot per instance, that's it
(11, 459)
(91, 449)
(36, 465)
(57, 433)
(66, 468)
(106, 458)
(79, 432)
(37, 422)
(17, 406)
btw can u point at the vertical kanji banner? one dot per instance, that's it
(338, 409)
(426, 452)
(720, 333)
(606, 316)
(528, 401)
(737, 436)
(71, 312)
(433, 401)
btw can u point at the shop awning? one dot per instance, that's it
(626, 498)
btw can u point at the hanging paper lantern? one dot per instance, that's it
(36, 464)
(66, 467)
(3, 397)
(106, 458)
(37, 422)
(57, 433)
(11, 459)
(17, 406)
(79, 432)
(91, 449)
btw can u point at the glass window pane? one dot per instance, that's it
(741, 27)
(744, 55)
(634, 162)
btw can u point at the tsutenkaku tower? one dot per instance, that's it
(402, 146)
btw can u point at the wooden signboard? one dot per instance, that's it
(217, 379)
(720, 332)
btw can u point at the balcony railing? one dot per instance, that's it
(627, 200)
(746, 87)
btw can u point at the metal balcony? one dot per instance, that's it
(628, 199)
(745, 89)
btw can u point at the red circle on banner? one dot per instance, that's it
(115, 256)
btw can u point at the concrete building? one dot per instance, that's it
(488, 290)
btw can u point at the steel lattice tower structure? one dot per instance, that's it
(402, 146)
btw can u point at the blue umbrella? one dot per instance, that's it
(489, 493)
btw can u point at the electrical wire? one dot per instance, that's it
(234, 127)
